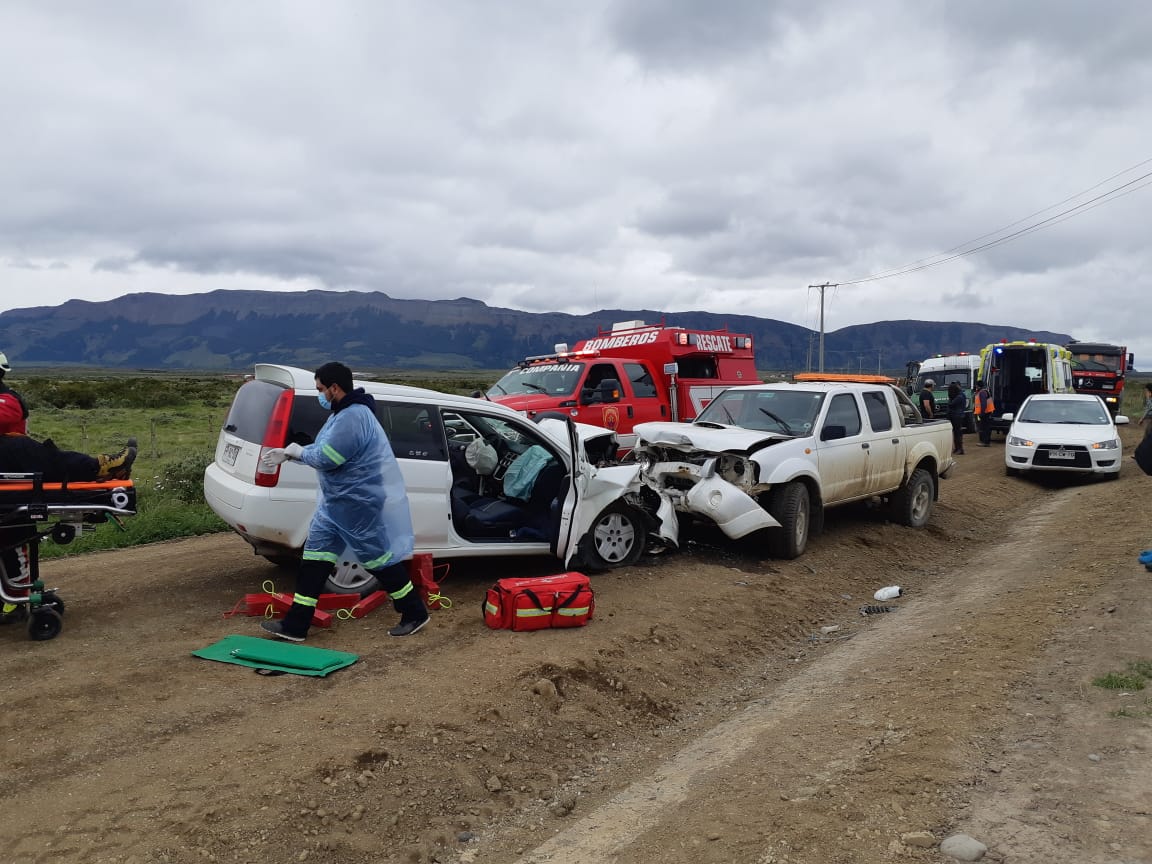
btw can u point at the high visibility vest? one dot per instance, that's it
(983, 403)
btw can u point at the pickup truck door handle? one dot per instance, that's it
(864, 446)
(895, 440)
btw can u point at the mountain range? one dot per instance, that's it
(232, 330)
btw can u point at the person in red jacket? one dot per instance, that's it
(13, 411)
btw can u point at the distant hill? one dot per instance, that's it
(232, 330)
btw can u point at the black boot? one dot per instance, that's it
(294, 625)
(406, 599)
(413, 614)
(309, 583)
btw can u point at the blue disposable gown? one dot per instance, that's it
(362, 503)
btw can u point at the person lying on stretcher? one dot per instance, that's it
(20, 454)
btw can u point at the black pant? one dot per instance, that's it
(313, 575)
(984, 428)
(20, 454)
(957, 434)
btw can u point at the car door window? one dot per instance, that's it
(413, 430)
(842, 411)
(876, 404)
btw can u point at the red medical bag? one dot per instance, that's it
(539, 602)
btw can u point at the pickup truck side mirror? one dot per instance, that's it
(1008, 417)
(833, 432)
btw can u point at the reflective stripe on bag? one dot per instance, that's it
(582, 610)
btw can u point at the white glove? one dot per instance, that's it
(272, 458)
(294, 451)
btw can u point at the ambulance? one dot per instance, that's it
(944, 369)
(633, 373)
(1013, 371)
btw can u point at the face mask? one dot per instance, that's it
(324, 403)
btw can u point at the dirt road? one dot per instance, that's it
(710, 713)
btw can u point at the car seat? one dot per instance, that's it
(526, 517)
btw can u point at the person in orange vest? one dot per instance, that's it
(982, 408)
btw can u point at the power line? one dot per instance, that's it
(1090, 204)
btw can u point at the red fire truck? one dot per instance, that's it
(630, 374)
(1100, 368)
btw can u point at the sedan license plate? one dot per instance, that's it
(231, 451)
(1061, 454)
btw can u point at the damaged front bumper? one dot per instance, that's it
(698, 489)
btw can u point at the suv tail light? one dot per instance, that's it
(275, 435)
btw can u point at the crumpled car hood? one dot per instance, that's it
(689, 436)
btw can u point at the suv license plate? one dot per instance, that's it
(1061, 454)
(231, 451)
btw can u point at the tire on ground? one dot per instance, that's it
(912, 503)
(789, 505)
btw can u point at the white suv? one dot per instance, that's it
(594, 516)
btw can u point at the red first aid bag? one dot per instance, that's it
(539, 602)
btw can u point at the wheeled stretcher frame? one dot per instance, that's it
(32, 511)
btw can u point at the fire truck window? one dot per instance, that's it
(600, 372)
(643, 387)
(697, 367)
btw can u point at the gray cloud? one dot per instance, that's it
(547, 155)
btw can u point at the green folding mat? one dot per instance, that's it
(276, 656)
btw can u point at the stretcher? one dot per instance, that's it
(32, 511)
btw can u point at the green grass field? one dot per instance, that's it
(176, 420)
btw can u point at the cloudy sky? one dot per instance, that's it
(560, 156)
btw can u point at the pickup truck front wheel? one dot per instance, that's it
(912, 502)
(789, 506)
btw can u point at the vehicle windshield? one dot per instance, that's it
(1096, 362)
(944, 377)
(1081, 412)
(791, 412)
(553, 379)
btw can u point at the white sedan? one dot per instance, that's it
(1069, 432)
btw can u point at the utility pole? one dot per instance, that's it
(822, 287)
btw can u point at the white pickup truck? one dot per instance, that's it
(776, 456)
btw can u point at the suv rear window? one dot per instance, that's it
(252, 408)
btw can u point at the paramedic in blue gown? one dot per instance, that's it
(362, 506)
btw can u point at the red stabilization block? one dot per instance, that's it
(373, 601)
(420, 570)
